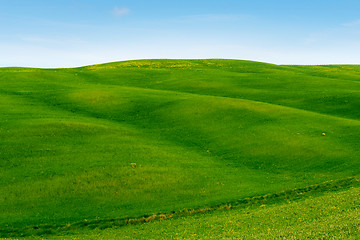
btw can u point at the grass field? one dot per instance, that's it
(332, 216)
(134, 138)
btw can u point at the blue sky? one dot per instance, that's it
(68, 33)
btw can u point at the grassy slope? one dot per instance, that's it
(201, 132)
(332, 216)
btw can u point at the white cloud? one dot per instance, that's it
(353, 23)
(118, 12)
(213, 18)
(46, 40)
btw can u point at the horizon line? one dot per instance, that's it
(186, 59)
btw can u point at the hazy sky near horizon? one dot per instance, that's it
(70, 33)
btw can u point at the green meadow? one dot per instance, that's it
(131, 139)
(332, 216)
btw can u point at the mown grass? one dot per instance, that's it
(334, 215)
(201, 132)
(86, 226)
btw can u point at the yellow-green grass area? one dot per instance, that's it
(131, 139)
(334, 215)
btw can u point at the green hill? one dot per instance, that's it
(129, 139)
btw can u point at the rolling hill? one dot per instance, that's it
(129, 139)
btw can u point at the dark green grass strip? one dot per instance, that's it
(252, 202)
